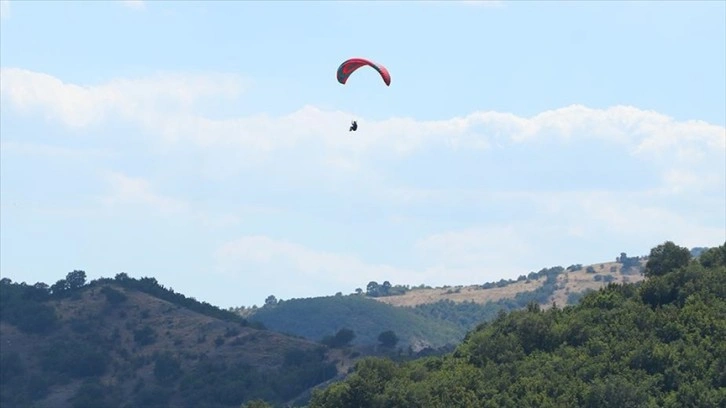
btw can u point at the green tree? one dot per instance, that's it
(342, 338)
(665, 258)
(713, 257)
(388, 339)
(76, 279)
(385, 288)
(122, 277)
(60, 287)
(373, 289)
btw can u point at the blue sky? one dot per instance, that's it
(206, 143)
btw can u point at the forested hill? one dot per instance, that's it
(128, 342)
(659, 343)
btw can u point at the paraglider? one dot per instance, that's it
(346, 69)
(349, 66)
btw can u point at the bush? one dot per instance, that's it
(113, 296)
(145, 336)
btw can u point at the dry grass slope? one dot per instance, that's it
(573, 282)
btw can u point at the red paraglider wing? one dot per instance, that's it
(348, 67)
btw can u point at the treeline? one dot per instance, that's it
(629, 265)
(22, 304)
(659, 343)
(152, 287)
(373, 289)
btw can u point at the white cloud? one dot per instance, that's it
(47, 150)
(146, 101)
(134, 4)
(627, 220)
(4, 9)
(126, 193)
(127, 190)
(642, 217)
(261, 257)
(163, 105)
(686, 180)
(475, 254)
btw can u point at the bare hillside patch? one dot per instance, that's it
(472, 293)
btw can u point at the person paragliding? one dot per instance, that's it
(351, 65)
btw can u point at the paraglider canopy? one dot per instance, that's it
(351, 65)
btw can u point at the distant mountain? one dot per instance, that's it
(132, 343)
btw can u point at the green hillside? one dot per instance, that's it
(421, 324)
(315, 318)
(660, 343)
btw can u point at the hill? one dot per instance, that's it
(659, 343)
(436, 318)
(132, 343)
(316, 318)
(575, 279)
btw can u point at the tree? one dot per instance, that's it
(271, 300)
(385, 289)
(342, 338)
(665, 258)
(41, 292)
(372, 289)
(123, 276)
(76, 279)
(60, 287)
(713, 257)
(145, 336)
(388, 339)
(358, 291)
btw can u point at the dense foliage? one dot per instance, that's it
(373, 289)
(661, 343)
